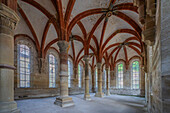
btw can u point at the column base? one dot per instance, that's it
(93, 90)
(107, 93)
(142, 93)
(9, 107)
(99, 94)
(64, 101)
(87, 97)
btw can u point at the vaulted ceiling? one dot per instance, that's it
(110, 27)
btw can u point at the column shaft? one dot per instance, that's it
(112, 79)
(107, 82)
(63, 100)
(8, 21)
(142, 83)
(86, 95)
(74, 79)
(93, 80)
(99, 71)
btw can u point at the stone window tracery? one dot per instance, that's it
(24, 62)
(135, 75)
(52, 70)
(70, 72)
(80, 72)
(120, 76)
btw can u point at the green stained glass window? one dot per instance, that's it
(135, 75)
(80, 73)
(120, 76)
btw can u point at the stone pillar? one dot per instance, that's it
(112, 79)
(99, 71)
(83, 79)
(74, 80)
(8, 22)
(103, 81)
(93, 80)
(107, 82)
(142, 82)
(75, 72)
(86, 94)
(63, 100)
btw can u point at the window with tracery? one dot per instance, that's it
(70, 72)
(80, 72)
(135, 75)
(24, 62)
(120, 76)
(52, 71)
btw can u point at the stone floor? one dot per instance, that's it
(107, 104)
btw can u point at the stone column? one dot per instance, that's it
(93, 80)
(74, 79)
(99, 71)
(75, 72)
(63, 100)
(86, 94)
(142, 82)
(107, 82)
(8, 22)
(103, 81)
(112, 79)
(83, 79)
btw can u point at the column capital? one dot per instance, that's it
(63, 46)
(86, 58)
(106, 68)
(75, 68)
(99, 65)
(8, 17)
(112, 71)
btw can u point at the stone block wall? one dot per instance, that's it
(165, 58)
(158, 63)
(123, 91)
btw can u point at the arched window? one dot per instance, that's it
(24, 62)
(80, 71)
(96, 77)
(120, 76)
(52, 71)
(135, 75)
(70, 72)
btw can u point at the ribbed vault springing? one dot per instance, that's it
(108, 30)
